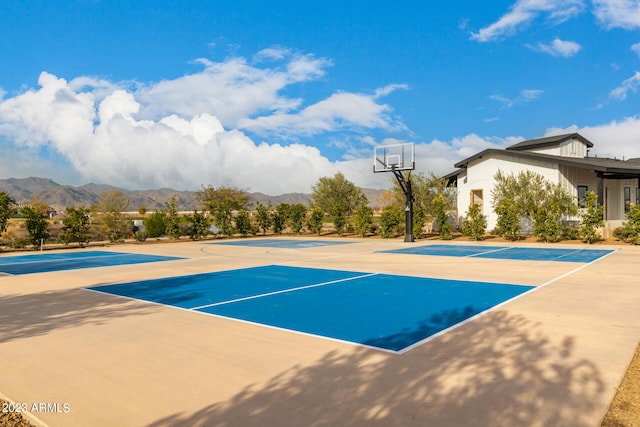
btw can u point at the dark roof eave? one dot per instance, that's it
(547, 141)
(592, 163)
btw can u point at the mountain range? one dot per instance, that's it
(59, 196)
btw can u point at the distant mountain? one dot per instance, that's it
(58, 196)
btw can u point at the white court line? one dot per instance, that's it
(495, 307)
(486, 252)
(42, 261)
(576, 269)
(284, 291)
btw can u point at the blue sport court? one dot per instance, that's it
(388, 312)
(41, 263)
(281, 243)
(507, 252)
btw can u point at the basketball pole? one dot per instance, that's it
(405, 184)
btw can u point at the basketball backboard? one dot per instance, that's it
(395, 157)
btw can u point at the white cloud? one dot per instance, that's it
(188, 132)
(618, 13)
(525, 11)
(616, 139)
(629, 85)
(557, 47)
(525, 95)
(340, 110)
(636, 48)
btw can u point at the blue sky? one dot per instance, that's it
(271, 96)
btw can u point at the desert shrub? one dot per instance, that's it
(339, 222)
(390, 221)
(592, 218)
(630, 230)
(444, 226)
(419, 218)
(508, 225)
(140, 236)
(316, 218)
(243, 223)
(362, 219)
(474, 223)
(570, 233)
(155, 224)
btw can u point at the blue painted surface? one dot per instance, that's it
(281, 243)
(507, 252)
(212, 288)
(379, 310)
(41, 263)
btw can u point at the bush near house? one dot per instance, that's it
(474, 223)
(592, 218)
(630, 230)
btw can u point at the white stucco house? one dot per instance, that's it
(561, 159)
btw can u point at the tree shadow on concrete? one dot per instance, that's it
(436, 323)
(499, 370)
(28, 315)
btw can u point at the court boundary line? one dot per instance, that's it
(495, 307)
(486, 252)
(110, 255)
(402, 351)
(57, 260)
(249, 322)
(284, 291)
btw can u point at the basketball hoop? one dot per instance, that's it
(396, 158)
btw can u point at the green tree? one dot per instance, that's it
(263, 218)
(362, 219)
(419, 218)
(297, 215)
(222, 202)
(337, 197)
(284, 210)
(592, 218)
(390, 221)
(154, 226)
(339, 221)
(243, 223)
(76, 225)
(425, 189)
(277, 222)
(172, 219)
(316, 219)
(112, 206)
(198, 225)
(553, 203)
(528, 194)
(508, 225)
(444, 226)
(474, 223)
(630, 230)
(37, 223)
(7, 208)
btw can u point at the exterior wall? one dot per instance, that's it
(570, 148)
(479, 176)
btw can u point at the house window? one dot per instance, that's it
(582, 194)
(477, 199)
(627, 199)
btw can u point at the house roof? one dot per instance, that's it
(611, 168)
(598, 164)
(547, 141)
